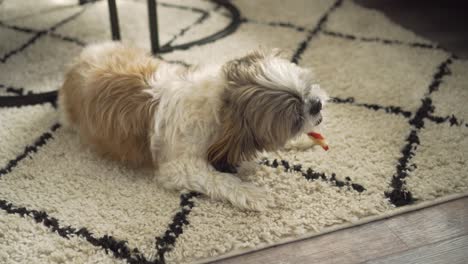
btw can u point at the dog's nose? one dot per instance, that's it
(315, 106)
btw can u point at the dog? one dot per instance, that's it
(192, 125)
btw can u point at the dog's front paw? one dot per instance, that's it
(250, 197)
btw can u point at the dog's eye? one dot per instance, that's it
(315, 106)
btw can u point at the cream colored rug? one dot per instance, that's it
(396, 126)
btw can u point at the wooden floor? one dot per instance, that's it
(437, 234)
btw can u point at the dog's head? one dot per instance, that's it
(267, 101)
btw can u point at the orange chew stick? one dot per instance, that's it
(318, 139)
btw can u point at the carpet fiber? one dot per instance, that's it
(396, 125)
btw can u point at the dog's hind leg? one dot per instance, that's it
(197, 175)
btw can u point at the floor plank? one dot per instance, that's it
(346, 246)
(453, 251)
(374, 240)
(432, 224)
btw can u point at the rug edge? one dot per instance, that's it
(362, 221)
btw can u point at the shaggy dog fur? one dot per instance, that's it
(195, 125)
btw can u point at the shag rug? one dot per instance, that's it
(396, 126)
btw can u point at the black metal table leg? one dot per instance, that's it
(114, 20)
(153, 26)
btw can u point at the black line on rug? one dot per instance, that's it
(178, 62)
(29, 99)
(204, 16)
(303, 45)
(226, 31)
(119, 249)
(17, 91)
(84, 2)
(181, 7)
(388, 109)
(37, 35)
(380, 40)
(167, 242)
(349, 36)
(400, 196)
(42, 140)
(183, 63)
(51, 96)
(14, 90)
(217, 7)
(313, 175)
(39, 98)
(51, 33)
(22, 47)
(74, 40)
(452, 119)
(18, 28)
(175, 6)
(275, 24)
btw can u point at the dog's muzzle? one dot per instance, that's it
(319, 120)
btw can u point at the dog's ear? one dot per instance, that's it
(254, 119)
(243, 70)
(237, 143)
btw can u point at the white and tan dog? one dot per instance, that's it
(192, 125)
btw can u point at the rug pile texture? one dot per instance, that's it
(396, 125)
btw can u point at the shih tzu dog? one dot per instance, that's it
(193, 125)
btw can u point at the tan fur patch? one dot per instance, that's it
(104, 99)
